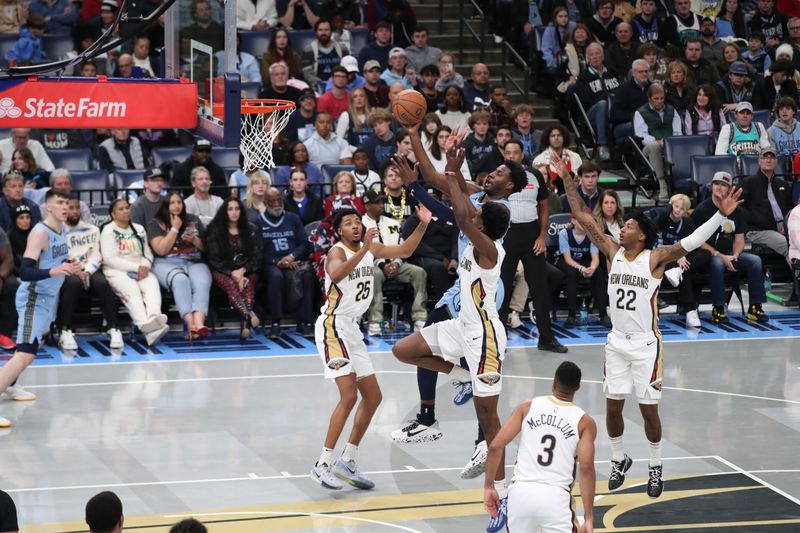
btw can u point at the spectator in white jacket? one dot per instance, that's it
(127, 259)
(260, 15)
(20, 138)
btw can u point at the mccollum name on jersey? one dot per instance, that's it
(552, 420)
(628, 279)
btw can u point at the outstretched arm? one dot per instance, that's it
(507, 433)
(436, 179)
(576, 203)
(408, 174)
(487, 252)
(382, 251)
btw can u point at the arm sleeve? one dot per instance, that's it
(438, 209)
(29, 270)
(703, 233)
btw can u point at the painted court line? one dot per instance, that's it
(757, 479)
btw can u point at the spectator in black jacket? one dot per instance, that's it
(647, 27)
(200, 157)
(630, 96)
(735, 88)
(767, 199)
(765, 94)
(772, 24)
(603, 23)
(594, 87)
(234, 256)
(299, 199)
(621, 53)
(700, 70)
(492, 160)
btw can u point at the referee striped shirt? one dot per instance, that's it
(524, 203)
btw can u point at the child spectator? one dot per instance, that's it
(29, 46)
(755, 55)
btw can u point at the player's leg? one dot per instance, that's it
(617, 383)
(321, 472)
(647, 370)
(486, 411)
(414, 350)
(345, 467)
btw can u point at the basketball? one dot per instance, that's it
(409, 108)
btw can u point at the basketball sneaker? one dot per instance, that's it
(321, 473)
(115, 338)
(66, 341)
(464, 392)
(693, 319)
(499, 522)
(18, 394)
(7, 343)
(718, 315)
(477, 463)
(513, 320)
(348, 472)
(154, 336)
(756, 314)
(674, 276)
(5, 422)
(655, 485)
(374, 329)
(415, 431)
(618, 469)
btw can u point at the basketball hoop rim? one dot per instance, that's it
(255, 106)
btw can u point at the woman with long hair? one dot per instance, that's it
(255, 195)
(447, 71)
(430, 125)
(678, 87)
(352, 126)
(280, 49)
(730, 20)
(555, 139)
(344, 195)
(127, 259)
(454, 112)
(555, 38)
(730, 54)
(234, 255)
(575, 49)
(704, 116)
(300, 200)
(608, 213)
(298, 157)
(22, 161)
(177, 242)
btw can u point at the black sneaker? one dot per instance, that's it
(305, 330)
(655, 485)
(570, 322)
(756, 314)
(275, 331)
(618, 469)
(552, 346)
(718, 315)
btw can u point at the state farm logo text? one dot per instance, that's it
(80, 108)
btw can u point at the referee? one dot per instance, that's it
(526, 242)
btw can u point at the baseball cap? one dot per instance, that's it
(202, 144)
(306, 93)
(108, 5)
(768, 150)
(744, 106)
(738, 67)
(723, 177)
(373, 195)
(397, 51)
(350, 63)
(153, 173)
(708, 19)
(371, 64)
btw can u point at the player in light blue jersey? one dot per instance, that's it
(44, 265)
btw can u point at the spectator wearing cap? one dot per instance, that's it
(60, 15)
(325, 147)
(713, 47)
(21, 138)
(301, 122)
(735, 88)
(767, 201)
(389, 234)
(354, 79)
(742, 136)
(335, 101)
(419, 54)
(784, 134)
(725, 253)
(379, 48)
(278, 87)
(778, 83)
(146, 206)
(106, 17)
(104, 513)
(377, 90)
(322, 54)
(14, 197)
(653, 123)
(121, 152)
(397, 71)
(477, 92)
(200, 157)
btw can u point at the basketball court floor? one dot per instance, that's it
(227, 433)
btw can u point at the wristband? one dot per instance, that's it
(174, 230)
(449, 173)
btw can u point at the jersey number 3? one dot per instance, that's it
(362, 291)
(627, 306)
(546, 457)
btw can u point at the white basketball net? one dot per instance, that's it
(259, 131)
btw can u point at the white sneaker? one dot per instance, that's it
(693, 319)
(477, 463)
(66, 341)
(115, 338)
(17, 393)
(418, 325)
(413, 431)
(674, 276)
(5, 422)
(152, 323)
(162, 319)
(374, 329)
(156, 335)
(513, 320)
(604, 153)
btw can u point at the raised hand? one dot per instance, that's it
(729, 204)
(369, 237)
(455, 139)
(424, 214)
(455, 158)
(408, 173)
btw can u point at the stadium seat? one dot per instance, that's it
(72, 158)
(555, 224)
(748, 165)
(6, 44)
(704, 167)
(358, 40)
(536, 43)
(677, 154)
(255, 42)
(226, 157)
(329, 171)
(299, 39)
(763, 116)
(91, 181)
(56, 46)
(274, 172)
(127, 177)
(179, 154)
(100, 214)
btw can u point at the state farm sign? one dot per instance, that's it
(82, 103)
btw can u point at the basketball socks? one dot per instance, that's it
(618, 452)
(326, 457)
(459, 374)
(427, 414)
(500, 487)
(655, 453)
(481, 436)
(349, 452)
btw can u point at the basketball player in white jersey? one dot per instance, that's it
(554, 435)
(348, 287)
(634, 361)
(477, 334)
